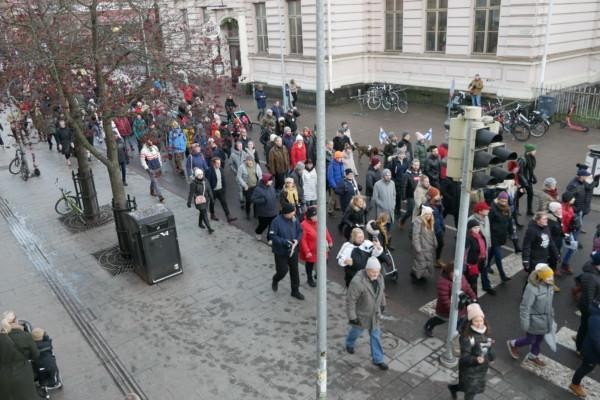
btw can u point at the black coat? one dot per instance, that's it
(450, 196)
(433, 169)
(500, 225)
(527, 165)
(409, 183)
(583, 192)
(472, 249)
(538, 246)
(555, 227)
(590, 286)
(211, 175)
(353, 218)
(346, 190)
(373, 175)
(471, 374)
(200, 188)
(16, 374)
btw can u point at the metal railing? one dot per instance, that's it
(586, 99)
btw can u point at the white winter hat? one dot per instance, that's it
(299, 138)
(426, 210)
(198, 172)
(373, 263)
(273, 137)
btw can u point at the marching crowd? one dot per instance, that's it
(405, 184)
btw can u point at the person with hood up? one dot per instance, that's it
(298, 151)
(265, 203)
(354, 253)
(285, 233)
(355, 216)
(248, 176)
(538, 248)
(46, 360)
(590, 351)
(476, 353)
(424, 244)
(365, 303)
(309, 183)
(308, 244)
(335, 173)
(590, 292)
(373, 175)
(16, 349)
(347, 188)
(420, 149)
(548, 194)
(536, 313)
(384, 195)
(444, 297)
(201, 195)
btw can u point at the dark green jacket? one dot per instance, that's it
(16, 374)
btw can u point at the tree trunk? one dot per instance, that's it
(89, 197)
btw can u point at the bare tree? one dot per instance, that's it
(113, 52)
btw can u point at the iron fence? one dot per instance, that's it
(586, 99)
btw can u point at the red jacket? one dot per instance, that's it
(297, 153)
(308, 243)
(444, 295)
(443, 151)
(568, 214)
(123, 125)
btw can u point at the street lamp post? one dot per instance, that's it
(321, 201)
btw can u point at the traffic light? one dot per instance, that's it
(486, 150)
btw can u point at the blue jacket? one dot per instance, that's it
(438, 217)
(195, 161)
(261, 98)
(212, 177)
(281, 232)
(591, 343)
(265, 202)
(177, 140)
(277, 112)
(346, 191)
(335, 173)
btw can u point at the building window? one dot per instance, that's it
(437, 14)
(262, 39)
(393, 24)
(185, 26)
(487, 21)
(295, 25)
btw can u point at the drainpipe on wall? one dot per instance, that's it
(545, 54)
(284, 99)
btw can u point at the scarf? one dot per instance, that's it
(478, 330)
(552, 193)
(292, 196)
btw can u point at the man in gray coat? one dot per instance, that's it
(365, 302)
(384, 195)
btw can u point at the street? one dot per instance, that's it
(257, 344)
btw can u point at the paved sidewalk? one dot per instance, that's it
(215, 332)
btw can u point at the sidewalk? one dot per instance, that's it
(215, 332)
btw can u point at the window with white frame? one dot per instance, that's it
(436, 17)
(295, 26)
(393, 24)
(262, 39)
(487, 21)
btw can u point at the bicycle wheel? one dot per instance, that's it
(402, 106)
(15, 166)
(538, 129)
(387, 102)
(25, 173)
(521, 132)
(374, 103)
(402, 96)
(63, 205)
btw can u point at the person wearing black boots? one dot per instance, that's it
(527, 176)
(285, 234)
(201, 194)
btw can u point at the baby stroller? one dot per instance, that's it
(45, 371)
(244, 119)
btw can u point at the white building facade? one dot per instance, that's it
(419, 43)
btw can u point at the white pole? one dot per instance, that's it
(329, 47)
(547, 39)
(281, 55)
(321, 201)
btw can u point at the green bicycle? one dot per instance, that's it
(68, 204)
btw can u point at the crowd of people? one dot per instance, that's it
(405, 184)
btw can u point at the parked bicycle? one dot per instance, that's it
(514, 122)
(68, 204)
(19, 165)
(387, 97)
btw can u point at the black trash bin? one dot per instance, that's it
(153, 242)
